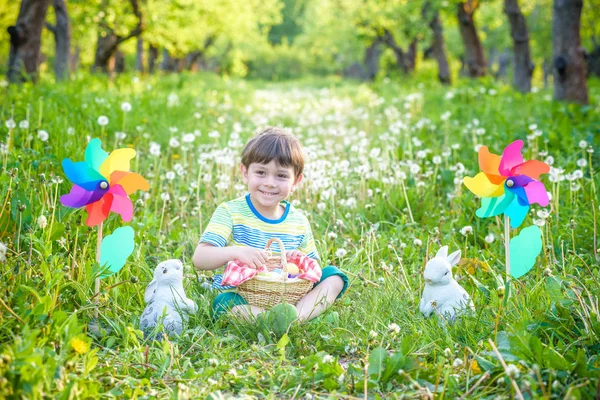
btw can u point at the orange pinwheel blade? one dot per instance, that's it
(489, 163)
(532, 169)
(117, 160)
(481, 186)
(130, 181)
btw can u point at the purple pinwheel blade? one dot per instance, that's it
(79, 197)
(520, 180)
(81, 174)
(536, 193)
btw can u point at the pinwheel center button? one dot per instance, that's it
(104, 185)
(510, 183)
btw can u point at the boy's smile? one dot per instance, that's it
(269, 184)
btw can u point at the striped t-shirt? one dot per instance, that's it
(238, 223)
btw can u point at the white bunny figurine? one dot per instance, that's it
(441, 291)
(165, 294)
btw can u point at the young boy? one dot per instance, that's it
(272, 165)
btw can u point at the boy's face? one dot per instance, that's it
(270, 183)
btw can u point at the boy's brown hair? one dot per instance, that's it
(277, 144)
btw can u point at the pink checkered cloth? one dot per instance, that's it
(237, 273)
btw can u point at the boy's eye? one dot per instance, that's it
(283, 176)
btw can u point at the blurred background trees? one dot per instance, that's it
(554, 42)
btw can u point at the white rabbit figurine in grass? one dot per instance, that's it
(442, 292)
(165, 296)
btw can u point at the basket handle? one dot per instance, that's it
(282, 247)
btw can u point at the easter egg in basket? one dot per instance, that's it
(292, 269)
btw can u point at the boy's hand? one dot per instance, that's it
(251, 256)
(295, 254)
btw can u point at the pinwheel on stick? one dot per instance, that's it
(509, 185)
(102, 183)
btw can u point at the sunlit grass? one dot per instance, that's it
(383, 190)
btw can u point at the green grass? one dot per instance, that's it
(382, 347)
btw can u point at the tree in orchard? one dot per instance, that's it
(188, 31)
(474, 56)
(431, 14)
(113, 29)
(570, 69)
(522, 55)
(62, 39)
(25, 41)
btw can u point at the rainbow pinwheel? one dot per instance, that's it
(508, 185)
(102, 183)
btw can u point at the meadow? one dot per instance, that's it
(383, 191)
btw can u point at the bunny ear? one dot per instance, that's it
(150, 289)
(443, 252)
(454, 258)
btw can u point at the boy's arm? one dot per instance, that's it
(208, 256)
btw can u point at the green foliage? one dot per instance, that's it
(365, 144)
(283, 39)
(289, 28)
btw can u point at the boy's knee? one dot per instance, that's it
(335, 283)
(226, 301)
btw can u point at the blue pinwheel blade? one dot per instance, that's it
(520, 193)
(516, 212)
(94, 154)
(524, 249)
(115, 249)
(81, 174)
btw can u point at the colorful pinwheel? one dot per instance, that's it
(508, 184)
(102, 183)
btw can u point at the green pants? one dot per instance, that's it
(227, 300)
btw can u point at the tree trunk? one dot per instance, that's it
(25, 40)
(522, 56)
(74, 60)
(404, 61)
(62, 40)
(503, 65)
(119, 62)
(195, 59)
(166, 64)
(439, 49)
(105, 49)
(593, 62)
(191, 59)
(411, 56)
(152, 56)
(474, 58)
(108, 40)
(570, 70)
(547, 71)
(372, 54)
(139, 55)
